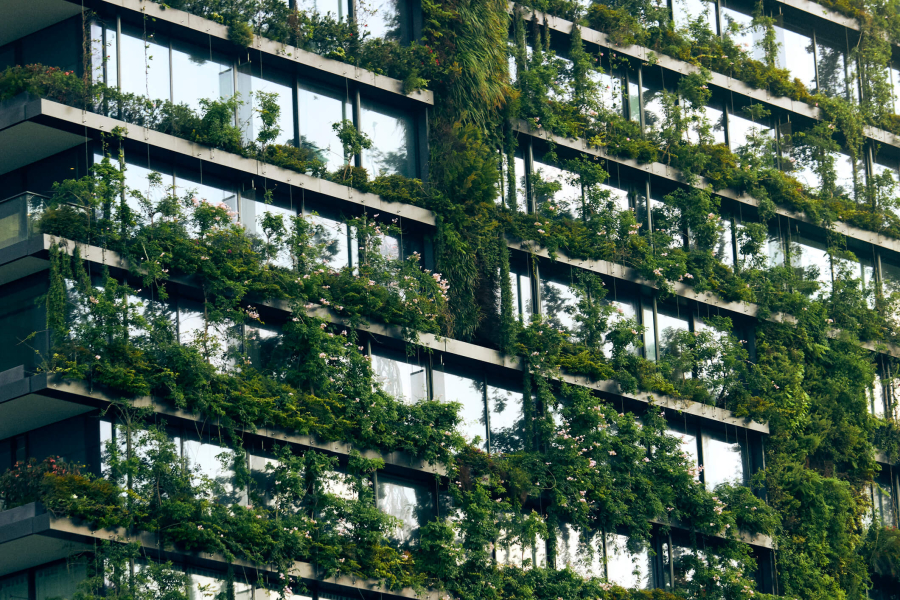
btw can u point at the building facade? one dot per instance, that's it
(134, 87)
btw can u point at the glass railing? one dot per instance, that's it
(18, 216)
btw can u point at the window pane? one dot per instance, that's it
(797, 56)
(515, 554)
(388, 19)
(724, 249)
(610, 91)
(58, 581)
(653, 107)
(505, 414)
(739, 27)
(338, 9)
(213, 462)
(206, 584)
(649, 333)
(319, 108)
(197, 74)
(832, 69)
(523, 302)
(558, 304)
(585, 557)
(103, 55)
(669, 325)
(468, 391)
(567, 201)
(722, 460)
(685, 11)
(211, 191)
(403, 380)
(688, 446)
(739, 129)
(412, 503)
(250, 84)
(334, 238)
(812, 257)
(631, 571)
(145, 68)
(262, 477)
(215, 340)
(683, 572)
(14, 587)
(252, 214)
(716, 120)
(392, 132)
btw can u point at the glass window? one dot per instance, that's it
(58, 581)
(516, 554)
(832, 68)
(208, 189)
(624, 309)
(410, 502)
(387, 19)
(845, 172)
(686, 11)
(688, 446)
(739, 27)
(103, 55)
(566, 202)
(774, 248)
(680, 565)
(505, 418)
(610, 90)
(519, 178)
(649, 333)
(723, 459)
(883, 498)
(338, 9)
(399, 375)
(254, 79)
(217, 341)
(716, 119)
(337, 239)
(740, 128)
(797, 56)
(453, 386)
(631, 571)
(214, 463)
(319, 108)
(252, 214)
(20, 316)
(137, 178)
(523, 302)
(652, 99)
(584, 556)
(392, 132)
(14, 587)
(634, 97)
(145, 65)
(876, 398)
(812, 257)
(895, 82)
(668, 325)
(199, 74)
(558, 304)
(205, 584)
(261, 477)
(724, 248)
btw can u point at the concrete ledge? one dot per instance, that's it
(47, 398)
(719, 80)
(32, 537)
(660, 170)
(282, 53)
